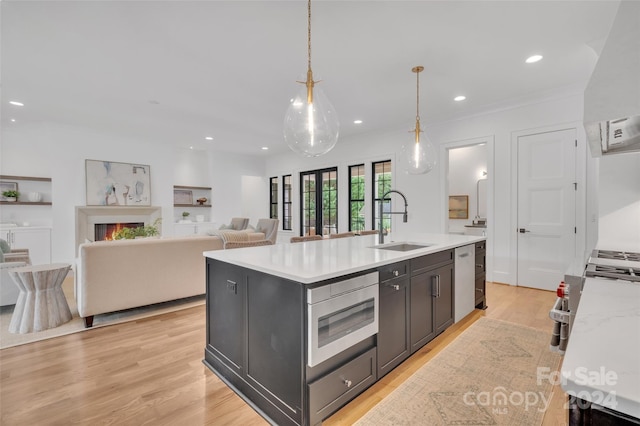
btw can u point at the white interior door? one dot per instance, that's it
(546, 207)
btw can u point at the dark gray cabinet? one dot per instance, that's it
(480, 286)
(416, 304)
(393, 319)
(431, 297)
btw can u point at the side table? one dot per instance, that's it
(41, 303)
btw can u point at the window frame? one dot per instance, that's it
(318, 200)
(287, 213)
(374, 189)
(352, 200)
(273, 198)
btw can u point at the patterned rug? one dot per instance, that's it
(494, 373)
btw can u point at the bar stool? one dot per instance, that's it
(41, 303)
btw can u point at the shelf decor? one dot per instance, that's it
(8, 186)
(182, 196)
(110, 183)
(458, 207)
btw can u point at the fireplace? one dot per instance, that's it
(106, 231)
(88, 217)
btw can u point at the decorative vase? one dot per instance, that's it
(35, 197)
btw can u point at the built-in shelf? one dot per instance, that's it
(181, 193)
(25, 203)
(32, 184)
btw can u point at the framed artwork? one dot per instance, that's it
(458, 207)
(7, 186)
(117, 184)
(182, 196)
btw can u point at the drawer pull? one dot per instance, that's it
(396, 273)
(347, 383)
(479, 265)
(480, 290)
(396, 286)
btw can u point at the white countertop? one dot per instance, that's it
(602, 360)
(315, 261)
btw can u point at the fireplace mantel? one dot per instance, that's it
(87, 217)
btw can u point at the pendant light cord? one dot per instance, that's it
(309, 34)
(417, 96)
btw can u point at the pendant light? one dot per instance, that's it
(419, 156)
(310, 125)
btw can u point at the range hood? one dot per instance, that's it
(614, 136)
(612, 97)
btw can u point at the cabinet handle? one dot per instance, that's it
(464, 254)
(479, 265)
(396, 273)
(396, 286)
(480, 290)
(347, 383)
(435, 292)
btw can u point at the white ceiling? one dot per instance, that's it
(176, 71)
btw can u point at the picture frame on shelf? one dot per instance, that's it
(110, 183)
(183, 196)
(7, 186)
(458, 207)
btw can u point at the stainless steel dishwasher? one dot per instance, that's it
(465, 292)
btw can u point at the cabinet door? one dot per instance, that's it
(443, 298)
(226, 287)
(393, 328)
(422, 290)
(38, 241)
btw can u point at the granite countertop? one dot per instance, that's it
(315, 261)
(602, 360)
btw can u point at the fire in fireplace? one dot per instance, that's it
(106, 231)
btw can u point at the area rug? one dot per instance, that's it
(76, 324)
(494, 373)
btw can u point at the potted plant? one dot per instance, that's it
(139, 232)
(11, 195)
(185, 217)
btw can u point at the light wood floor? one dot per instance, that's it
(151, 372)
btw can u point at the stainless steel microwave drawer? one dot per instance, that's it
(329, 393)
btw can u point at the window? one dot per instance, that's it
(319, 202)
(286, 202)
(381, 184)
(356, 198)
(273, 198)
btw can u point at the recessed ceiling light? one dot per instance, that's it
(209, 138)
(265, 148)
(534, 58)
(459, 98)
(191, 147)
(13, 120)
(357, 121)
(16, 103)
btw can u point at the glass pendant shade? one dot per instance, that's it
(311, 128)
(419, 157)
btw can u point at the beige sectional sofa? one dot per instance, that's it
(116, 275)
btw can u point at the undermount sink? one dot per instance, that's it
(404, 246)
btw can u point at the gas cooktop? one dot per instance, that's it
(619, 255)
(627, 273)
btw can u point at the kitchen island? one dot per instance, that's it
(278, 335)
(601, 367)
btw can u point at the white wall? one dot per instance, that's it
(619, 212)
(425, 193)
(59, 152)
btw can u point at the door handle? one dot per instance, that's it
(522, 230)
(464, 254)
(435, 292)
